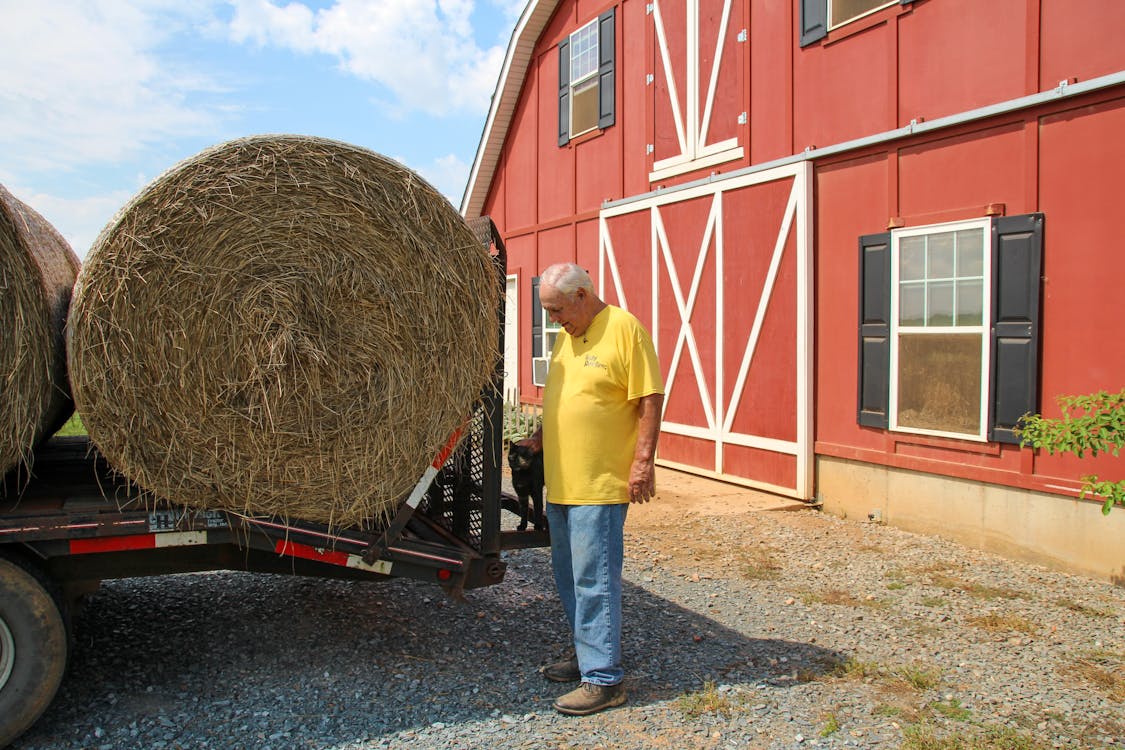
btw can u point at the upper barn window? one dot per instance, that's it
(586, 70)
(584, 79)
(818, 17)
(841, 12)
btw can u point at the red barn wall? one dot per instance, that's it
(917, 62)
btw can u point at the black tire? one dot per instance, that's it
(33, 649)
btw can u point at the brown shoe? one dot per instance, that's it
(563, 671)
(588, 698)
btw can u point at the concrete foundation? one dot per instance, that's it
(1051, 530)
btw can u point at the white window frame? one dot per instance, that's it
(540, 365)
(550, 333)
(855, 18)
(578, 82)
(984, 329)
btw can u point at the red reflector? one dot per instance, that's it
(296, 549)
(450, 444)
(444, 575)
(112, 544)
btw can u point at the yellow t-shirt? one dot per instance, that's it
(590, 401)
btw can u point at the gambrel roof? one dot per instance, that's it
(512, 75)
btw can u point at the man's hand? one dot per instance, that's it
(642, 474)
(642, 481)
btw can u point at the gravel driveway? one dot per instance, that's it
(747, 626)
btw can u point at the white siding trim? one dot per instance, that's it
(686, 308)
(713, 84)
(673, 94)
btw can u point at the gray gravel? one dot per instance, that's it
(802, 629)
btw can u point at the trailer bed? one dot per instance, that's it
(86, 522)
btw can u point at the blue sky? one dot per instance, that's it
(98, 97)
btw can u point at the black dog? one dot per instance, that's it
(527, 480)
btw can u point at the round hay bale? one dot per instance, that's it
(37, 273)
(282, 325)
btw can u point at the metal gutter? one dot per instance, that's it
(1062, 91)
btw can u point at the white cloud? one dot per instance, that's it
(422, 51)
(263, 23)
(79, 221)
(448, 174)
(83, 81)
(511, 8)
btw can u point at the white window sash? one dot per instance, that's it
(984, 225)
(855, 18)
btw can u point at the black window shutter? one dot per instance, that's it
(564, 91)
(874, 329)
(814, 21)
(1017, 261)
(536, 320)
(606, 94)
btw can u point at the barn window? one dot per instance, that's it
(820, 16)
(841, 12)
(949, 327)
(586, 71)
(543, 334)
(939, 350)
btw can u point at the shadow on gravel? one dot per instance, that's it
(236, 660)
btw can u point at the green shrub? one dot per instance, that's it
(1093, 424)
(519, 423)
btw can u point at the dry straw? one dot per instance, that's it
(37, 272)
(282, 325)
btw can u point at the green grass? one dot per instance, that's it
(1105, 670)
(972, 588)
(73, 426)
(951, 709)
(842, 598)
(709, 700)
(519, 422)
(919, 677)
(1084, 609)
(855, 669)
(995, 622)
(759, 564)
(923, 737)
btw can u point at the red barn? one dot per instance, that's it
(867, 235)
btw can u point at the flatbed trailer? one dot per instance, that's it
(73, 521)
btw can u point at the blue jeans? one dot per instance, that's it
(587, 554)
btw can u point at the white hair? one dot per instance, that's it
(567, 278)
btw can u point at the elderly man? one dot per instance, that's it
(601, 418)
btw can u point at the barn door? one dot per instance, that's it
(721, 275)
(696, 50)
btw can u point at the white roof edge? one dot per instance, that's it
(512, 75)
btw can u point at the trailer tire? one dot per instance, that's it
(33, 648)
